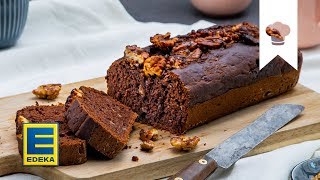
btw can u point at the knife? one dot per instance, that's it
(232, 149)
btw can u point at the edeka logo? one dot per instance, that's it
(40, 144)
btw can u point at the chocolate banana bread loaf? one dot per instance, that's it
(96, 117)
(178, 83)
(72, 150)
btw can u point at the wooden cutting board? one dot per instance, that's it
(163, 160)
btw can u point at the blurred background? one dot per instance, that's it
(182, 11)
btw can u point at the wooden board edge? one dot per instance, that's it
(13, 164)
(10, 164)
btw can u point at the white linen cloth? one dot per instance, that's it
(74, 40)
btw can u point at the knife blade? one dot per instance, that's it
(233, 148)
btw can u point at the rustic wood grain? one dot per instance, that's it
(163, 160)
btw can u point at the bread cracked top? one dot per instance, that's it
(167, 53)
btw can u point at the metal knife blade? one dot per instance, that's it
(232, 149)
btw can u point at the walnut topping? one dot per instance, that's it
(48, 91)
(136, 54)
(185, 45)
(236, 27)
(184, 143)
(151, 134)
(74, 94)
(154, 65)
(196, 54)
(22, 119)
(163, 41)
(77, 92)
(210, 42)
(168, 53)
(147, 145)
(174, 62)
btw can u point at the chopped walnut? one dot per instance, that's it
(151, 134)
(214, 43)
(190, 45)
(196, 54)
(154, 65)
(163, 41)
(136, 54)
(174, 62)
(147, 145)
(74, 94)
(77, 92)
(169, 53)
(184, 143)
(22, 119)
(19, 136)
(48, 91)
(236, 27)
(135, 158)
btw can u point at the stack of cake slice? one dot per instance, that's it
(88, 117)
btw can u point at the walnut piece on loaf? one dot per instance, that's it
(47, 91)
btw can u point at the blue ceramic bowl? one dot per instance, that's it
(13, 17)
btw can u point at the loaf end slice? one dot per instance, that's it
(72, 150)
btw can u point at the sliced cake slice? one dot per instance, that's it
(99, 119)
(72, 150)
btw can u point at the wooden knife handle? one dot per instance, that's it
(198, 170)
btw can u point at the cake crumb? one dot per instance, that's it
(135, 158)
(184, 143)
